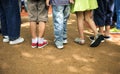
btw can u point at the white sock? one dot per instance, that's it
(34, 40)
(40, 40)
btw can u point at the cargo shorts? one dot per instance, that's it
(37, 10)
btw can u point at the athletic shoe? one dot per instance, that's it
(107, 37)
(65, 41)
(17, 41)
(41, 45)
(5, 39)
(34, 45)
(92, 38)
(79, 41)
(97, 41)
(114, 30)
(60, 47)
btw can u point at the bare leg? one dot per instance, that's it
(41, 29)
(33, 29)
(80, 22)
(101, 30)
(107, 30)
(89, 20)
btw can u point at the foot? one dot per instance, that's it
(97, 41)
(115, 30)
(43, 44)
(60, 46)
(79, 41)
(65, 41)
(92, 38)
(108, 38)
(5, 39)
(17, 41)
(34, 45)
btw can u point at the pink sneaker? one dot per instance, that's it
(34, 45)
(41, 45)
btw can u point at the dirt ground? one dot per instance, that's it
(73, 59)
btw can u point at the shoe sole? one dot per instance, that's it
(34, 46)
(60, 47)
(43, 45)
(17, 42)
(5, 41)
(78, 41)
(65, 42)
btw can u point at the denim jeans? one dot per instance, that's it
(117, 5)
(0, 26)
(10, 18)
(24, 3)
(60, 16)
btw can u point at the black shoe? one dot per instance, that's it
(106, 37)
(97, 41)
(92, 38)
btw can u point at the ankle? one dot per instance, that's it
(40, 40)
(34, 40)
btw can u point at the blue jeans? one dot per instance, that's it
(117, 5)
(60, 16)
(10, 18)
(0, 26)
(24, 3)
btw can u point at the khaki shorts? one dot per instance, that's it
(37, 10)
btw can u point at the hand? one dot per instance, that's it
(48, 2)
(72, 1)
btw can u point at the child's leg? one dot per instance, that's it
(66, 16)
(89, 20)
(101, 30)
(80, 22)
(33, 34)
(33, 29)
(42, 17)
(58, 20)
(107, 30)
(41, 29)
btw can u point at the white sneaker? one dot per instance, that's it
(5, 39)
(60, 47)
(65, 41)
(17, 41)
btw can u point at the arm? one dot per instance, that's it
(48, 2)
(71, 1)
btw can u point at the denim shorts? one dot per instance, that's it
(37, 10)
